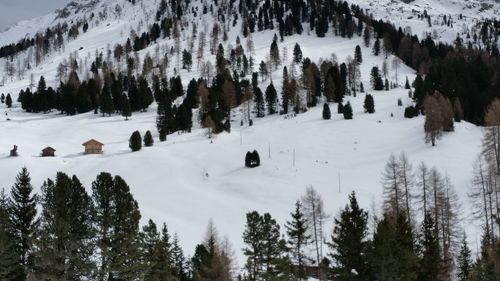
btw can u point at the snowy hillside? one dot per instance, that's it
(463, 15)
(190, 179)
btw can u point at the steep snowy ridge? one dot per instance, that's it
(189, 179)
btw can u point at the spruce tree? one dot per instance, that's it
(259, 103)
(271, 99)
(376, 47)
(135, 141)
(327, 114)
(347, 111)
(10, 268)
(297, 53)
(357, 55)
(349, 243)
(126, 109)
(179, 260)
(430, 261)
(125, 244)
(148, 139)
(393, 256)
(117, 224)
(298, 239)
(22, 213)
(66, 235)
(8, 101)
(254, 249)
(155, 258)
(464, 261)
(369, 104)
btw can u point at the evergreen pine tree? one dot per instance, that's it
(125, 244)
(349, 243)
(298, 239)
(66, 235)
(369, 104)
(135, 141)
(430, 261)
(271, 99)
(327, 114)
(8, 101)
(9, 259)
(376, 47)
(179, 260)
(358, 58)
(464, 261)
(407, 84)
(156, 259)
(297, 53)
(22, 212)
(393, 255)
(347, 111)
(126, 110)
(259, 103)
(148, 139)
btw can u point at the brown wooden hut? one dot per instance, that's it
(48, 152)
(93, 147)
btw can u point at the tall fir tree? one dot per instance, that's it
(298, 239)
(65, 246)
(348, 246)
(22, 212)
(430, 258)
(464, 261)
(271, 99)
(10, 267)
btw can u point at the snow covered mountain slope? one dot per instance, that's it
(463, 15)
(189, 179)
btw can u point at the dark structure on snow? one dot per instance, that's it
(13, 152)
(48, 152)
(252, 159)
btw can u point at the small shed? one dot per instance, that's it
(93, 147)
(48, 152)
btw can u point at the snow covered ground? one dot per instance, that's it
(189, 179)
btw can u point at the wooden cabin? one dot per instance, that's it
(93, 147)
(48, 152)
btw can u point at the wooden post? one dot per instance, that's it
(338, 174)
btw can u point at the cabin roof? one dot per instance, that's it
(48, 148)
(92, 141)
